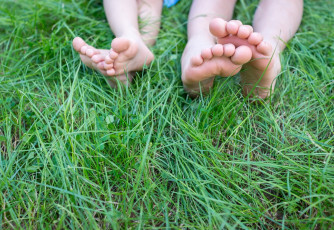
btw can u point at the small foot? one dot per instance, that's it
(201, 65)
(127, 55)
(258, 76)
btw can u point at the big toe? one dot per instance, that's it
(78, 43)
(218, 27)
(242, 55)
(120, 44)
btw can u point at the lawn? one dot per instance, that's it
(76, 154)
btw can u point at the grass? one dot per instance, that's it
(77, 154)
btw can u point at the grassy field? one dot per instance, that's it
(77, 154)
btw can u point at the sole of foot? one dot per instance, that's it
(127, 55)
(200, 64)
(259, 75)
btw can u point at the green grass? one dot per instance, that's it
(78, 154)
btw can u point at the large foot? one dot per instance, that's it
(200, 64)
(128, 54)
(259, 75)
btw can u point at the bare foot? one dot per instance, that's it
(90, 56)
(128, 54)
(259, 75)
(200, 64)
(95, 59)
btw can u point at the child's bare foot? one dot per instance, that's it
(200, 64)
(264, 67)
(90, 56)
(127, 54)
(95, 59)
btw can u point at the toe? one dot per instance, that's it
(113, 55)
(196, 60)
(98, 58)
(255, 39)
(104, 73)
(264, 48)
(206, 54)
(78, 43)
(108, 60)
(100, 65)
(120, 44)
(83, 49)
(108, 66)
(242, 55)
(90, 52)
(244, 31)
(232, 26)
(229, 50)
(111, 72)
(218, 27)
(217, 50)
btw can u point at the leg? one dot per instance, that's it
(277, 21)
(129, 47)
(129, 52)
(122, 18)
(150, 15)
(202, 60)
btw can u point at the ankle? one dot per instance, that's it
(130, 32)
(202, 38)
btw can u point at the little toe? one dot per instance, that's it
(120, 44)
(218, 27)
(264, 48)
(196, 60)
(78, 43)
(229, 50)
(218, 50)
(232, 26)
(206, 54)
(244, 31)
(255, 39)
(242, 55)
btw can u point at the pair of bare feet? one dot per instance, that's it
(238, 47)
